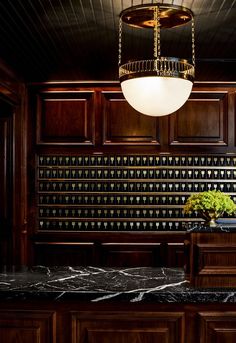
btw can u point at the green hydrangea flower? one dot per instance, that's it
(214, 201)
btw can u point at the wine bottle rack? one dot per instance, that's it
(130, 193)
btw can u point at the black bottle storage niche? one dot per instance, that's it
(125, 193)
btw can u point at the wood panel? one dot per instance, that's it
(131, 254)
(81, 321)
(6, 183)
(212, 259)
(201, 121)
(175, 256)
(217, 259)
(66, 117)
(64, 253)
(27, 326)
(99, 110)
(124, 327)
(218, 327)
(123, 125)
(12, 166)
(124, 249)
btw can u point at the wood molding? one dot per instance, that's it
(122, 125)
(202, 120)
(66, 117)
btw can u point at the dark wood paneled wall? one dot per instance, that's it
(13, 201)
(97, 116)
(205, 125)
(6, 181)
(79, 118)
(74, 119)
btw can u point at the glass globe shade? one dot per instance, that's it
(156, 95)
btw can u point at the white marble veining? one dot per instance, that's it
(96, 284)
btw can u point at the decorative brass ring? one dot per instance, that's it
(163, 67)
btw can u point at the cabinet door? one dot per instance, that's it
(127, 327)
(201, 121)
(125, 126)
(27, 326)
(218, 327)
(66, 117)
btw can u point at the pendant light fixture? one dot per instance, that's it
(161, 85)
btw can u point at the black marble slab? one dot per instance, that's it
(95, 284)
(220, 227)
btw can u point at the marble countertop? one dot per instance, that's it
(222, 226)
(96, 284)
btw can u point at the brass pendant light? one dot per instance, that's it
(161, 85)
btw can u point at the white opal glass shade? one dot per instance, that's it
(156, 95)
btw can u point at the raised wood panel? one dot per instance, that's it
(216, 259)
(131, 254)
(27, 326)
(212, 259)
(218, 327)
(125, 126)
(3, 167)
(214, 266)
(66, 118)
(110, 248)
(125, 327)
(6, 182)
(203, 120)
(64, 253)
(175, 255)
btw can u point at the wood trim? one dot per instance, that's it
(150, 326)
(63, 100)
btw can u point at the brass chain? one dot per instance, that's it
(157, 33)
(193, 42)
(120, 42)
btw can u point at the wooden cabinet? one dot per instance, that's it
(146, 327)
(123, 125)
(65, 117)
(202, 120)
(72, 121)
(218, 327)
(212, 259)
(87, 114)
(27, 326)
(88, 322)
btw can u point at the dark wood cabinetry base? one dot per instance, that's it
(72, 322)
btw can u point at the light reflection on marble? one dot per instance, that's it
(96, 284)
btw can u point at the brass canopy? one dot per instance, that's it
(143, 15)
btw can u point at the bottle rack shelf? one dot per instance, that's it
(116, 193)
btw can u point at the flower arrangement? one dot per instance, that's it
(210, 205)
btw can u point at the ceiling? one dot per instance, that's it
(46, 40)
